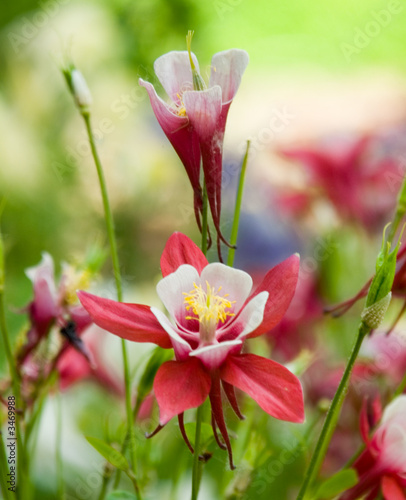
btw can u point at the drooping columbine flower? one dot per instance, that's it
(195, 121)
(54, 306)
(213, 311)
(382, 466)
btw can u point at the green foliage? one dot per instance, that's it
(112, 455)
(206, 434)
(158, 357)
(120, 495)
(342, 481)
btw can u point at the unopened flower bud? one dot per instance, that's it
(385, 273)
(78, 87)
(80, 90)
(373, 315)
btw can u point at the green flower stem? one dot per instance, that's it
(123, 449)
(106, 478)
(117, 276)
(58, 451)
(107, 210)
(237, 210)
(196, 464)
(332, 415)
(22, 459)
(196, 473)
(15, 378)
(400, 388)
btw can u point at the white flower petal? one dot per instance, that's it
(203, 109)
(253, 314)
(175, 74)
(212, 356)
(227, 70)
(394, 447)
(396, 409)
(236, 283)
(43, 271)
(171, 288)
(180, 346)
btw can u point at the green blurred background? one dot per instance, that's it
(46, 174)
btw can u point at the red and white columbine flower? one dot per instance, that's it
(195, 121)
(53, 305)
(382, 466)
(214, 310)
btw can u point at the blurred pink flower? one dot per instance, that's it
(382, 466)
(52, 305)
(214, 310)
(195, 122)
(74, 367)
(383, 355)
(295, 331)
(350, 177)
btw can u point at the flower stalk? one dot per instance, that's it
(196, 464)
(377, 302)
(22, 459)
(78, 88)
(237, 210)
(196, 472)
(332, 415)
(117, 276)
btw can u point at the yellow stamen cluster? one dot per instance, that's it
(75, 280)
(181, 111)
(208, 306)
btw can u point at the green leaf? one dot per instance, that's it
(206, 433)
(109, 453)
(342, 481)
(121, 495)
(159, 356)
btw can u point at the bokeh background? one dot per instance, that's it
(319, 72)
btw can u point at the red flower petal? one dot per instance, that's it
(391, 489)
(281, 283)
(179, 386)
(129, 321)
(271, 385)
(180, 134)
(179, 250)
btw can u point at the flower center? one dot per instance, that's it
(75, 280)
(181, 111)
(209, 307)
